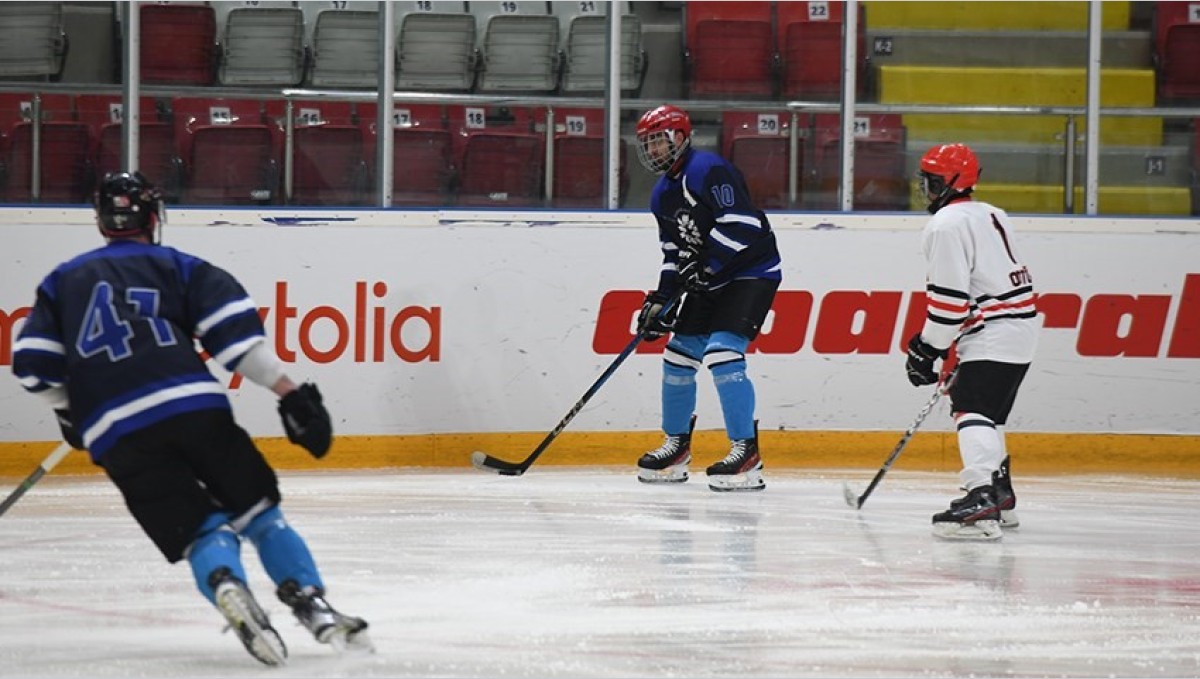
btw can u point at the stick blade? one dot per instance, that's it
(851, 498)
(487, 463)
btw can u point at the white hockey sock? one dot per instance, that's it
(981, 448)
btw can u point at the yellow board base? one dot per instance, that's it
(1165, 455)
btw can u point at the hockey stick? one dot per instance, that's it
(942, 388)
(44, 468)
(487, 463)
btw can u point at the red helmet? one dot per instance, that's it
(948, 171)
(663, 123)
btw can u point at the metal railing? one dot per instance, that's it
(794, 110)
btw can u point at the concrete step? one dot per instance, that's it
(1114, 200)
(1147, 166)
(1044, 15)
(997, 86)
(1021, 49)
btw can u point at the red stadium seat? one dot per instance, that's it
(17, 107)
(1177, 49)
(66, 170)
(579, 147)
(229, 151)
(66, 174)
(158, 158)
(178, 44)
(759, 145)
(729, 49)
(880, 178)
(99, 110)
(810, 46)
(501, 159)
(328, 167)
(328, 153)
(422, 153)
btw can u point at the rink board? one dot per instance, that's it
(433, 334)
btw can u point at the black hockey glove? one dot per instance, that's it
(306, 420)
(70, 434)
(919, 363)
(652, 323)
(693, 275)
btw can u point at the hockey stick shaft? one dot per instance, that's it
(942, 388)
(44, 468)
(489, 463)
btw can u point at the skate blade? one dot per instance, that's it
(352, 643)
(260, 640)
(980, 531)
(1009, 519)
(675, 474)
(747, 481)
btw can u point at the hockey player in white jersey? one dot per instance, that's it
(979, 290)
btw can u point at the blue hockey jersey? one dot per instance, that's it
(117, 327)
(705, 211)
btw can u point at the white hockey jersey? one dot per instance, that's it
(977, 284)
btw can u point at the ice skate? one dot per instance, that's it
(668, 463)
(328, 626)
(974, 517)
(741, 469)
(247, 618)
(1005, 497)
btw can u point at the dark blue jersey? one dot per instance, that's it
(117, 327)
(705, 211)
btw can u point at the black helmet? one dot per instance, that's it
(128, 205)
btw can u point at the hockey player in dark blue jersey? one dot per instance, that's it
(109, 345)
(721, 250)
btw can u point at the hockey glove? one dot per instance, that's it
(919, 363)
(70, 434)
(693, 275)
(652, 323)
(306, 420)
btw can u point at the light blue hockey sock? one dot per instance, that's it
(678, 398)
(725, 356)
(216, 547)
(283, 552)
(680, 363)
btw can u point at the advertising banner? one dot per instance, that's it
(487, 328)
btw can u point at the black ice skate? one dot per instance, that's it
(327, 625)
(1005, 497)
(740, 470)
(668, 463)
(247, 618)
(974, 517)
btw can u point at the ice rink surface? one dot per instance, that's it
(587, 573)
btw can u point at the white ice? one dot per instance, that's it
(587, 573)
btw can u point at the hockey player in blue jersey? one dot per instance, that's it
(109, 345)
(721, 250)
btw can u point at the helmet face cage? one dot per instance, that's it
(128, 205)
(661, 162)
(657, 147)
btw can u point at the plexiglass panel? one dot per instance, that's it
(764, 83)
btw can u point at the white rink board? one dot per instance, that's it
(518, 307)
